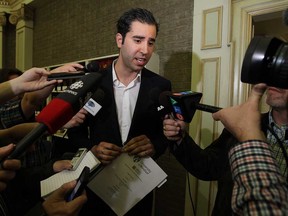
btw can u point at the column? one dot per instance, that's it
(3, 21)
(23, 19)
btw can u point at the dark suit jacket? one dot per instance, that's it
(212, 164)
(146, 119)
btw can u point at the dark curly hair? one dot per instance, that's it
(135, 14)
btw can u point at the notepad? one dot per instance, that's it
(54, 182)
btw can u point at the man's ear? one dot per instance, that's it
(119, 40)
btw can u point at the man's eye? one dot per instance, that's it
(151, 43)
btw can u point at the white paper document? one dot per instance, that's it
(54, 182)
(126, 181)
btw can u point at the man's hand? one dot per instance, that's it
(244, 121)
(140, 146)
(106, 152)
(56, 203)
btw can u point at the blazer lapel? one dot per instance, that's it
(107, 86)
(142, 100)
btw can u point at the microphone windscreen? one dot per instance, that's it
(183, 104)
(56, 114)
(80, 88)
(285, 17)
(98, 95)
(63, 107)
(92, 66)
(164, 107)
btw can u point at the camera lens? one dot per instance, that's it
(266, 61)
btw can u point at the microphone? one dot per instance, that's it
(207, 108)
(93, 104)
(91, 67)
(165, 107)
(59, 111)
(285, 17)
(184, 105)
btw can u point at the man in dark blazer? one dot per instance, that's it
(128, 120)
(212, 164)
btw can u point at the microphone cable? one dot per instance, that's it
(188, 178)
(190, 193)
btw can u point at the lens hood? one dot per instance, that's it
(259, 58)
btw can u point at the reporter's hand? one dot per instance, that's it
(106, 152)
(56, 203)
(60, 165)
(173, 130)
(76, 120)
(31, 80)
(15, 133)
(9, 166)
(69, 67)
(244, 121)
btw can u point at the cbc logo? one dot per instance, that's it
(91, 103)
(76, 85)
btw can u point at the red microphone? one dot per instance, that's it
(59, 111)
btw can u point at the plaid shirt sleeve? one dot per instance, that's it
(259, 188)
(11, 114)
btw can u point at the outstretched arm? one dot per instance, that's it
(32, 100)
(259, 188)
(31, 80)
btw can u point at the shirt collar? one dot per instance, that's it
(115, 79)
(272, 123)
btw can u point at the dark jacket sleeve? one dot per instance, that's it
(207, 164)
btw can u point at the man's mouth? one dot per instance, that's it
(273, 89)
(141, 60)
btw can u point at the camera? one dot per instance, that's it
(266, 61)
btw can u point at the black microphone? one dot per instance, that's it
(184, 105)
(91, 67)
(165, 107)
(94, 103)
(189, 103)
(285, 17)
(58, 112)
(207, 108)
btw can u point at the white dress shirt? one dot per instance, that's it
(125, 98)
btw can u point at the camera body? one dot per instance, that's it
(266, 61)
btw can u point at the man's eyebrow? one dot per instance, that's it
(142, 37)
(138, 37)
